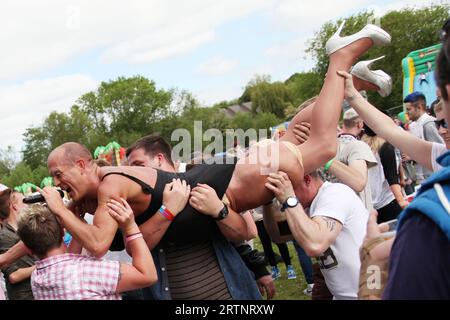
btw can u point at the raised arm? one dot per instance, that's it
(418, 149)
(142, 272)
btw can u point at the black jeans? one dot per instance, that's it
(267, 246)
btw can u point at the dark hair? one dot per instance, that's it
(443, 69)
(414, 97)
(5, 200)
(152, 144)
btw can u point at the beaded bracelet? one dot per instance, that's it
(166, 213)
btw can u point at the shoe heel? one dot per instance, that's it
(370, 62)
(337, 34)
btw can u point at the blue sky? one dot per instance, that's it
(54, 51)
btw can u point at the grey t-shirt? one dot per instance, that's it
(20, 290)
(350, 149)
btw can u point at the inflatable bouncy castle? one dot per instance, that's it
(279, 129)
(26, 188)
(112, 152)
(418, 72)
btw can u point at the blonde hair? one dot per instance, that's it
(39, 229)
(374, 142)
(307, 103)
(438, 106)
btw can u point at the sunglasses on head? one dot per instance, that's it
(441, 123)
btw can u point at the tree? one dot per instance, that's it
(411, 29)
(57, 129)
(266, 96)
(126, 105)
(301, 87)
(8, 160)
(23, 173)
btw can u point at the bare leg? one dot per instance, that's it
(321, 146)
(305, 115)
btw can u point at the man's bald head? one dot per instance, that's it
(70, 152)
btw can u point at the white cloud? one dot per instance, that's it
(210, 96)
(216, 66)
(305, 17)
(38, 35)
(28, 103)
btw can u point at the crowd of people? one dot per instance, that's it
(185, 233)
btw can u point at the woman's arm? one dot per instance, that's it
(142, 272)
(418, 149)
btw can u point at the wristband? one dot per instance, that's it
(133, 234)
(166, 213)
(133, 237)
(328, 165)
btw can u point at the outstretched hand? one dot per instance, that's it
(350, 91)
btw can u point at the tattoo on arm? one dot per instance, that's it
(331, 223)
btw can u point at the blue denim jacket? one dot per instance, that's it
(240, 280)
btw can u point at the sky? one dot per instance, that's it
(52, 52)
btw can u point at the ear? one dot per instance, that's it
(161, 158)
(80, 163)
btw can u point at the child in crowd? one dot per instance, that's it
(66, 276)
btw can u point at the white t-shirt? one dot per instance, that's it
(437, 150)
(340, 263)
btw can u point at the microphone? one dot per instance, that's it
(37, 197)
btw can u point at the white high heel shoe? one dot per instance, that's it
(378, 36)
(377, 77)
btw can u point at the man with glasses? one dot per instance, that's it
(423, 126)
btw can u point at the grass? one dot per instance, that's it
(287, 289)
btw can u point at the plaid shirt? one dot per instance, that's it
(75, 277)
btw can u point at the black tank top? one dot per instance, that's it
(189, 225)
